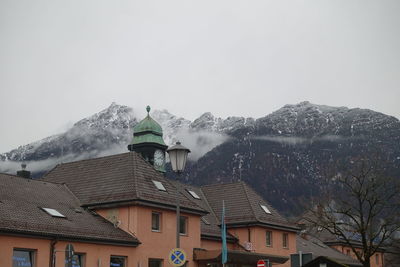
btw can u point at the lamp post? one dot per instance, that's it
(178, 156)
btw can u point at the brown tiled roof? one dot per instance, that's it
(242, 206)
(212, 228)
(318, 248)
(21, 203)
(118, 178)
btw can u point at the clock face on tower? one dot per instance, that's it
(158, 158)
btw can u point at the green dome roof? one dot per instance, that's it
(147, 131)
(147, 125)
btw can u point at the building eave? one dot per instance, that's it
(141, 202)
(64, 237)
(263, 224)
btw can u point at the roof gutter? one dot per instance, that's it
(263, 224)
(146, 203)
(70, 238)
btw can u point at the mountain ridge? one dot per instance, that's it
(282, 154)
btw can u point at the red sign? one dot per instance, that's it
(260, 263)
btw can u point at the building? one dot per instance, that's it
(120, 211)
(38, 219)
(340, 245)
(314, 252)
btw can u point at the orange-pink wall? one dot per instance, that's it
(215, 245)
(8, 243)
(257, 238)
(137, 220)
(93, 252)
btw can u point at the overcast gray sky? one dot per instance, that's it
(61, 61)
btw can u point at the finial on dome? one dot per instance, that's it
(148, 110)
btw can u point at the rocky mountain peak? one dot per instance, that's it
(282, 155)
(113, 116)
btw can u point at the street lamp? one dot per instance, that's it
(178, 156)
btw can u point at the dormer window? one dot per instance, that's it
(159, 185)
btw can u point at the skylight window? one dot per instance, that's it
(265, 209)
(194, 194)
(53, 212)
(205, 221)
(159, 186)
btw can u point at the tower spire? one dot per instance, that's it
(147, 140)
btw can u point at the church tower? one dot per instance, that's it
(148, 141)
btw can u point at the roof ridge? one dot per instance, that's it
(209, 206)
(90, 159)
(73, 195)
(8, 174)
(248, 199)
(134, 167)
(178, 185)
(29, 180)
(215, 184)
(50, 171)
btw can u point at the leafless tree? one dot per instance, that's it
(362, 209)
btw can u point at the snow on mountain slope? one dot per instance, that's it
(104, 133)
(110, 131)
(283, 155)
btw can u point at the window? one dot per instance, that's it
(155, 263)
(348, 251)
(205, 221)
(159, 185)
(183, 225)
(78, 260)
(285, 239)
(117, 261)
(22, 257)
(265, 209)
(268, 238)
(156, 221)
(377, 258)
(194, 194)
(53, 212)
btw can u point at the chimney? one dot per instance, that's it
(24, 173)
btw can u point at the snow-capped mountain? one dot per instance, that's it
(283, 155)
(286, 155)
(109, 132)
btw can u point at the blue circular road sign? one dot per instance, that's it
(177, 257)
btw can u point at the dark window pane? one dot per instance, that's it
(285, 240)
(77, 260)
(155, 221)
(183, 225)
(155, 263)
(22, 258)
(116, 261)
(268, 238)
